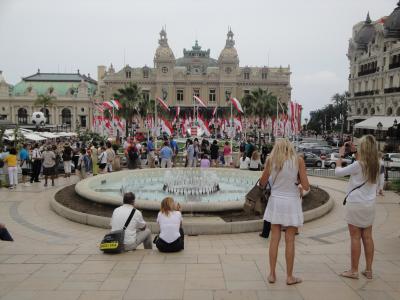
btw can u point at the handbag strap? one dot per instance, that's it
(129, 218)
(357, 187)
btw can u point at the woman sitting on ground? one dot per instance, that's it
(171, 238)
(255, 162)
(244, 162)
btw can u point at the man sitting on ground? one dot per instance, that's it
(136, 231)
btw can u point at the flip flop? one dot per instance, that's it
(349, 274)
(367, 274)
(271, 279)
(296, 281)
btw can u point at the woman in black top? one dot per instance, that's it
(214, 149)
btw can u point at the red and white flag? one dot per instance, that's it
(178, 111)
(99, 108)
(237, 104)
(201, 102)
(117, 105)
(214, 111)
(166, 126)
(107, 105)
(163, 104)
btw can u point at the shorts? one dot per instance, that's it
(102, 166)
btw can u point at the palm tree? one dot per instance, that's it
(44, 101)
(260, 103)
(133, 104)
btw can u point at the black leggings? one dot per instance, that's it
(175, 246)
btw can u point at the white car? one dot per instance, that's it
(393, 160)
(332, 158)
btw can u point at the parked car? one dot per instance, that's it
(332, 158)
(393, 160)
(312, 160)
(318, 151)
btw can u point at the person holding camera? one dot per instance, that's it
(360, 199)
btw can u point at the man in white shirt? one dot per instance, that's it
(136, 232)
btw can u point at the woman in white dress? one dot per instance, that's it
(284, 206)
(361, 196)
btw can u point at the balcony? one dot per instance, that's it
(392, 90)
(394, 65)
(367, 72)
(366, 93)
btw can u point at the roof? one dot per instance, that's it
(371, 123)
(64, 77)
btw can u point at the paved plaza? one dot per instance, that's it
(53, 258)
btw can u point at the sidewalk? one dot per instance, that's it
(53, 258)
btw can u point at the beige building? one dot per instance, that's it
(374, 81)
(196, 73)
(72, 105)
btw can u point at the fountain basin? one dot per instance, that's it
(147, 184)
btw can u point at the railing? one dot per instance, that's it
(328, 172)
(366, 93)
(367, 72)
(394, 65)
(392, 90)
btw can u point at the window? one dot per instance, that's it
(246, 92)
(246, 75)
(264, 75)
(212, 95)
(359, 87)
(146, 95)
(128, 74)
(3, 117)
(196, 92)
(66, 116)
(389, 111)
(179, 95)
(145, 73)
(391, 82)
(83, 121)
(22, 116)
(164, 69)
(228, 70)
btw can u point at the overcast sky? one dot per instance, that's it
(65, 35)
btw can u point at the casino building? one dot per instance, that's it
(196, 73)
(374, 80)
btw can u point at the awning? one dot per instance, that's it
(372, 123)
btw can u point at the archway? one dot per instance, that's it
(66, 116)
(46, 113)
(22, 116)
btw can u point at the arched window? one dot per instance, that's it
(66, 116)
(22, 116)
(365, 112)
(372, 111)
(46, 113)
(398, 112)
(389, 111)
(358, 111)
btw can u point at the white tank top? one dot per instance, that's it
(284, 181)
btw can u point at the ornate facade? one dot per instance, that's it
(374, 80)
(72, 105)
(196, 73)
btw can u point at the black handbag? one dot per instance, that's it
(113, 242)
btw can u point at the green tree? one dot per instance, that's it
(45, 101)
(259, 103)
(130, 97)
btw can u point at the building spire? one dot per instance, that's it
(368, 20)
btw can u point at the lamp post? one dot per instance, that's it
(379, 126)
(395, 135)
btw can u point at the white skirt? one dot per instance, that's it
(285, 211)
(361, 215)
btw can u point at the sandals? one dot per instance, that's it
(350, 274)
(367, 274)
(296, 280)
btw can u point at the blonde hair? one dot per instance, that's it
(255, 155)
(167, 205)
(368, 158)
(283, 150)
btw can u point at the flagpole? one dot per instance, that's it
(155, 123)
(231, 128)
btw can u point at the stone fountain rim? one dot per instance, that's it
(84, 190)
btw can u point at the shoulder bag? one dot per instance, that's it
(257, 198)
(357, 187)
(113, 242)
